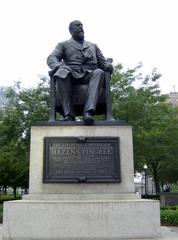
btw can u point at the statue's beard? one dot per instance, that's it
(78, 36)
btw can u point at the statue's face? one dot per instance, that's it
(77, 31)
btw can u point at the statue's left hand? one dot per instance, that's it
(109, 68)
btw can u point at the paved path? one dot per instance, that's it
(167, 233)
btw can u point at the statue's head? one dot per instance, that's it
(76, 30)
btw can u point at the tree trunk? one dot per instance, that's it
(14, 190)
(155, 176)
(26, 190)
(5, 190)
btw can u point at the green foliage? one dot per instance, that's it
(174, 187)
(24, 107)
(169, 215)
(154, 122)
(136, 99)
(8, 197)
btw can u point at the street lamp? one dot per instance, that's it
(145, 170)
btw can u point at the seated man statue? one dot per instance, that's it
(78, 61)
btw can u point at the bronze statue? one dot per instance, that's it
(78, 61)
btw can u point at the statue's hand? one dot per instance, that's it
(52, 72)
(109, 67)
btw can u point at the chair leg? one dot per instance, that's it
(109, 116)
(52, 117)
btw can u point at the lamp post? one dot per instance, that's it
(145, 171)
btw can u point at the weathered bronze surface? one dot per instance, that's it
(80, 78)
(83, 159)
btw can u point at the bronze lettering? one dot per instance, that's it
(69, 160)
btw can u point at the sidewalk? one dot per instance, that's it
(167, 233)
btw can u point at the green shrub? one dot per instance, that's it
(170, 208)
(8, 197)
(169, 215)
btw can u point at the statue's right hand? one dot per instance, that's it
(52, 72)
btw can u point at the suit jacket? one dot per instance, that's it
(71, 56)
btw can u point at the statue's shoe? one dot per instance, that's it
(69, 118)
(88, 118)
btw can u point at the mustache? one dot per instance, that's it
(81, 30)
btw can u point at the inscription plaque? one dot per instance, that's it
(82, 159)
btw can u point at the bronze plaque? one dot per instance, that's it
(82, 159)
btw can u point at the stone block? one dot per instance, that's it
(81, 219)
(38, 133)
(81, 211)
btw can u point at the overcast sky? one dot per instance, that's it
(129, 31)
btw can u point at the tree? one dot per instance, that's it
(154, 122)
(24, 107)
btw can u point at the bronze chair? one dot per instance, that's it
(104, 105)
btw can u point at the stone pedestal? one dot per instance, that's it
(81, 210)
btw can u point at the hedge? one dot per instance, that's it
(169, 215)
(8, 197)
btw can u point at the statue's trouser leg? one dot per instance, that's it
(65, 94)
(96, 82)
